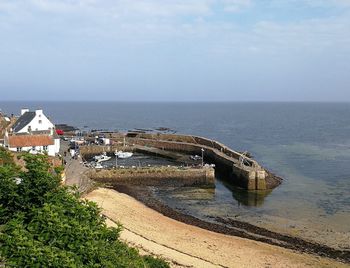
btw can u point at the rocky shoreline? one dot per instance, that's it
(235, 227)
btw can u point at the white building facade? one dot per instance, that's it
(33, 144)
(33, 132)
(32, 121)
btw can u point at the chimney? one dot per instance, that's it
(24, 110)
(38, 112)
(6, 138)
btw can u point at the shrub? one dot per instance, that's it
(48, 225)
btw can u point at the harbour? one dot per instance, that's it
(175, 134)
(242, 170)
(310, 203)
(148, 184)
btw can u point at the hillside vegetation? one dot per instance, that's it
(43, 224)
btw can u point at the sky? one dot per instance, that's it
(175, 50)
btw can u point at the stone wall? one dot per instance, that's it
(250, 175)
(166, 176)
(189, 139)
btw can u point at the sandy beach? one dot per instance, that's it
(184, 245)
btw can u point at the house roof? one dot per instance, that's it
(23, 120)
(29, 140)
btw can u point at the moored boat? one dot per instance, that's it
(121, 154)
(195, 157)
(102, 157)
(98, 166)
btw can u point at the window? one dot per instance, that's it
(33, 148)
(45, 148)
(19, 149)
(40, 121)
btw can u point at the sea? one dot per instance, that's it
(307, 144)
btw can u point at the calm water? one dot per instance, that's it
(308, 144)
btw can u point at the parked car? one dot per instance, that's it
(59, 132)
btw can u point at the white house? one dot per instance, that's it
(33, 132)
(32, 143)
(32, 121)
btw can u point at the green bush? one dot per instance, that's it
(5, 157)
(48, 225)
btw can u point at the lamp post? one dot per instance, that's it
(202, 157)
(116, 159)
(75, 147)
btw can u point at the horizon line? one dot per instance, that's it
(187, 101)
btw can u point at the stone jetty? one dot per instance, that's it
(240, 169)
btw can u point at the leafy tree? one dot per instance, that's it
(8, 188)
(48, 225)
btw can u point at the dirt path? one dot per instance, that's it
(189, 246)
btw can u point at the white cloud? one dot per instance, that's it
(167, 8)
(186, 22)
(8, 6)
(105, 35)
(137, 7)
(120, 7)
(327, 3)
(236, 5)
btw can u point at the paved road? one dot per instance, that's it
(75, 170)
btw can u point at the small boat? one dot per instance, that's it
(102, 157)
(121, 154)
(98, 165)
(97, 157)
(209, 165)
(195, 157)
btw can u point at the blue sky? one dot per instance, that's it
(190, 50)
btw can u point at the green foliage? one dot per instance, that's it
(59, 169)
(5, 157)
(47, 225)
(34, 184)
(156, 263)
(9, 194)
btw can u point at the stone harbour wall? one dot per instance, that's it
(152, 176)
(249, 175)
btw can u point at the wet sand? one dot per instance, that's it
(185, 245)
(235, 227)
